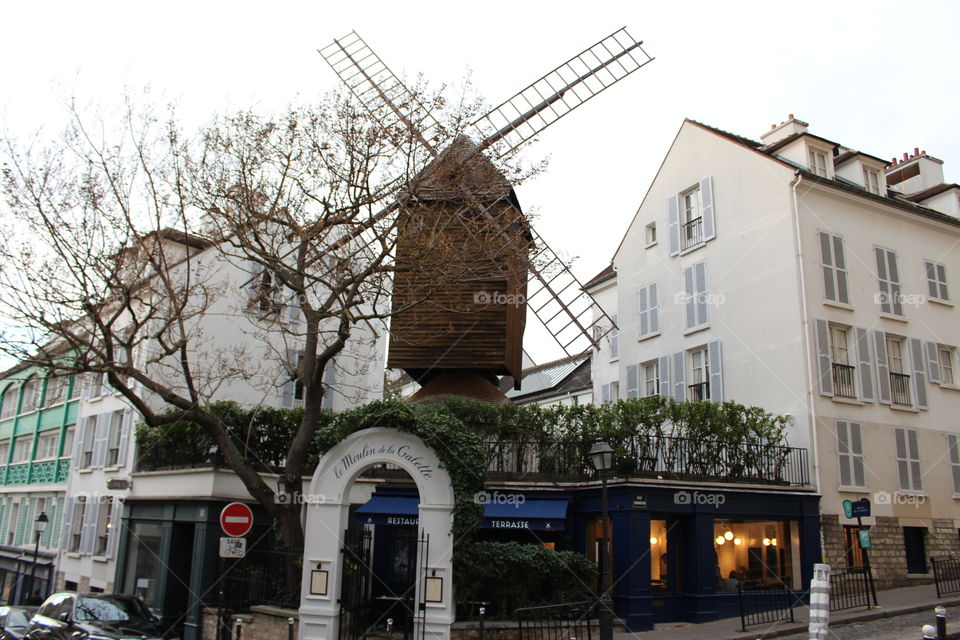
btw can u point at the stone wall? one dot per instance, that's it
(943, 538)
(887, 556)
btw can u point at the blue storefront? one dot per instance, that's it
(678, 553)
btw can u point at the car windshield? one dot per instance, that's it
(109, 609)
(18, 618)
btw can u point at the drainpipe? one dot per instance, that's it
(804, 331)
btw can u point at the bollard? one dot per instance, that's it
(290, 623)
(238, 628)
(389, 628)
(929, 633)
(941, 612)
(483, 612)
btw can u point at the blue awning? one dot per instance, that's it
(531, 514)
(390, 510)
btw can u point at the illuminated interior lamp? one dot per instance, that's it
(728, 535)
(766, 542)
(773, 541)
(653, 540)
(720, 540)
(737, 541)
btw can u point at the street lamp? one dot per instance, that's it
(39, 525)
(601, 456)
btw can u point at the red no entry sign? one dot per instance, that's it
(236, 519)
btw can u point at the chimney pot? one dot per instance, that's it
(924, 152)
(905, 156)
(791, 116)
(773, 126)
(916, 151)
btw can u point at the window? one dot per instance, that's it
(56, 391)
(843, 372)
(850, 453)
(871, 180)
(936, 280)
(609, 392)
(899, 380)
(651, 234)
(756, 553)
(114, 438)
(31, 395)
(89, 435)
(68, 435)
(948, 358)
(21, 449)
(10, 397)
(691, 218)
(908, 459)
(101, 547)
(852, 548)
(651, 378)
(12, 526)
(695, 288)
(834, 268)
(614, 338)
(47, 445)
(76, 523)
(953, 443)
(818, 162)
(699, 386)
(649, 304)
(98, 384)
(4, 451)
(889, 280)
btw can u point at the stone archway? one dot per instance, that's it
(326, 518)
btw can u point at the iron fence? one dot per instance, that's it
(264, 576)
(843, 381)
(692, 233)
(564, 621)
(946, 574)
(765, 606)
(851, 587)
(900, 388)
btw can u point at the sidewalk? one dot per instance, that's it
(893, 602)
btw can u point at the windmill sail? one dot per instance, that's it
(559, 92)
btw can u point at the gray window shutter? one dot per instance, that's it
(821, 336)
(914, 450)
(716, 371)
(100, 440)
(643, 304)
(633, 381)
(953, 443)
(885, 293)
(76, 456)
(903, 464)
(664, 366)
(88, 533)
(293, 306)
(124, 437)
(673, 225)
(933, 362)
(843, 453)
(865, 364)
(614, 337)
(883, 371)
(67, 520)
(919, 372)
(700, 283)
(706, 201)
(604, 393)
(116, 512)
(856, 458)
(86, 386)
(289, 386)
(942, 277)
(654, 300)
(677, 372)
(931, 271)
(329, 384)
(255, 269)
(826, 256)
(691, 306)
(841, 270)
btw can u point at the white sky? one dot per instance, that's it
(876, 76)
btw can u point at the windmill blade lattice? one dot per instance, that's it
(556, 94)
(382, 94)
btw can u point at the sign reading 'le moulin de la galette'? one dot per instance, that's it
(403, 453)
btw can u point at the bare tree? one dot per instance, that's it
(129, 242)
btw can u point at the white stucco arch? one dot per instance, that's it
(326, 518)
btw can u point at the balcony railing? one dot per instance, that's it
(699, 391)
(692, 233)
(900, 388)
(843, 384)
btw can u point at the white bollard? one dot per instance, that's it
(820, 602)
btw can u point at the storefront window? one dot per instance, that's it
(854, 552)
(658, 554)
(594, 536)
(143, 562)
(756, 554)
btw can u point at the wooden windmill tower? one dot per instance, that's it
(468, 266)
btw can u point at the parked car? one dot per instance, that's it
(14, 622)
(93, 616)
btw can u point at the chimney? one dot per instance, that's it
(783, 130)
(915, 172)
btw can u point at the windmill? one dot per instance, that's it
(455, 337)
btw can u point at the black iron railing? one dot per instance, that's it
(851, 587)
(699, 391)
(900, 388)
(264, 576)
(765, 606)
(665, 456)
(946, 573)
(558, 621)
(692, 233)
(843, 381)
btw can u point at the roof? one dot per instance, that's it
(849, 154)
(920, 196)
(548, 375)
(779, 144)
(607, 274)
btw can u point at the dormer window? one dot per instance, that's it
(871, 180)
(818, 162)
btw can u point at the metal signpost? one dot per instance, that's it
(236, 520)
(861, 509)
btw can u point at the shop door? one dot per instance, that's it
(915, 547)
(665, 569)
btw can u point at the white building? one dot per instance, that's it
(812, 280)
